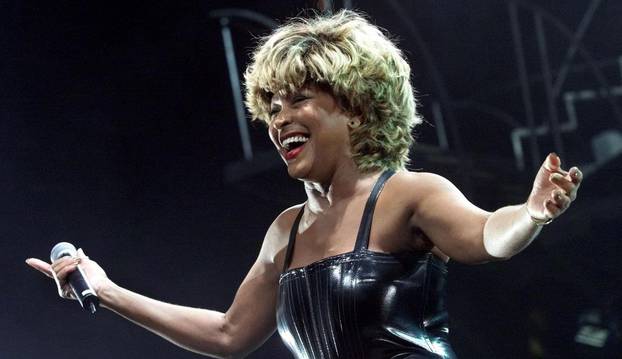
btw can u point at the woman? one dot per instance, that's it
(358, 270)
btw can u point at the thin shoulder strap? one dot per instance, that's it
(292, 240)
(362, 239)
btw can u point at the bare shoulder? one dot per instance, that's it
(277, 236)
(444, 215)
(420, 179)
(419, 186)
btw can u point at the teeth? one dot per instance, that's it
(293, 139)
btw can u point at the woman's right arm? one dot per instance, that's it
(242, 328)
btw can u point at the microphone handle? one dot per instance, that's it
(82, 290)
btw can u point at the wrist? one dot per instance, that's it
(107, 292)
(540, 222)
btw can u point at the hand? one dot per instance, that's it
(553, 189)
(61, 268)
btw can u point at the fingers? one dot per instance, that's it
(576, 176)
(552, 162)
(554, 188)
(41, 266)
(59, 270)
(66, 292)
(556, 204)
(64, 266)
(550, 209)
(569, 183)
(560, 200)
(565, 183)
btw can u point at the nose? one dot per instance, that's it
(281, 119)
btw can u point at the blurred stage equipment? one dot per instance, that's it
(598, 334)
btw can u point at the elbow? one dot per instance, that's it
(496, 253)
(231, 351)
(498, 257)
(481, 253)
(223, 351)
(230, 346)
(501, 250)
(220, 345)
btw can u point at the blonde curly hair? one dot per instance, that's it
(362, 67)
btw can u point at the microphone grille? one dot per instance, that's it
(62, 249)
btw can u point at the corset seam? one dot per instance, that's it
(424, 307)
(316, 329)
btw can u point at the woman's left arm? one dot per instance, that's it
(469, 234)
(510, 229)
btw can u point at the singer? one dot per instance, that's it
(358, 270)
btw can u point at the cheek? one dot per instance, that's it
(272, 134)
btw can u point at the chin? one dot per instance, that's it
(300, 171)
(297, 173)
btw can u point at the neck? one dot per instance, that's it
(345, 183)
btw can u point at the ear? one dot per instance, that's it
(354, 122)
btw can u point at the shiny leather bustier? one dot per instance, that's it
(364, 304)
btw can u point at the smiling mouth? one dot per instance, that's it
(294, 142)
(294, 152)
(293, 145)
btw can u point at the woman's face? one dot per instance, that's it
(310, 131)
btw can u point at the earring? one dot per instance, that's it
(354, 123)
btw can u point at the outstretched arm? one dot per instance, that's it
(469, 234)
(510, 229)
(243, 327)
(247, 324)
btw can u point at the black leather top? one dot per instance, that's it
(364, 304)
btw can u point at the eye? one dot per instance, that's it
(274, 111)
(299, 98)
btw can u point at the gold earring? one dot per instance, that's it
(354, 123)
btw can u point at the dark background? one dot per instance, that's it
(118, 134)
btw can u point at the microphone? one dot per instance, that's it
(77, 279)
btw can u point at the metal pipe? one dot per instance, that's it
(589, 60)
(437, 79)
(548, 86)
(439, 125)
(525, 92)
(572, 50)
(236, 89)
(244, 14)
